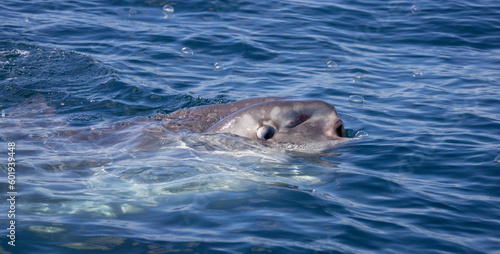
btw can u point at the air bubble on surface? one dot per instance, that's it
(361, 134)
(218, 67)
(167, 8)
(168, 11)
(331, 65)
(417, 74)
(415, 9)
(356, 101)
(187, 51)
(358, 77)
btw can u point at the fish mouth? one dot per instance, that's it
(335, 130)
(339, 129)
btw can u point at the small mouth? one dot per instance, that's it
(339, 129)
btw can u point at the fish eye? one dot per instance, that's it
(265, 132)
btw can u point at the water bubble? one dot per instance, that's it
(168, 11)
(358, 76)
(417, 74)
(168, 8)
(356, 101)
(187, 51)
(497, 159)
(331, 65)
(218, 67)
(132, 12)
(361, 134)
(415, 9)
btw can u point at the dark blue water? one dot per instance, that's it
(418, 81)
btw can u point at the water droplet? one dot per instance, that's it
(356, 101)
(331, 65)
(361, 134)
(168, 11)
(417, 74)
(497, 159)
(187, 51)
(132, 12)
(358, 76)
(218, 67)
(415, 9)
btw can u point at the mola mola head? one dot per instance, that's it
(286, 123)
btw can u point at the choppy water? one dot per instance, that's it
(418, 80)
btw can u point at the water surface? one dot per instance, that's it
(418, 81)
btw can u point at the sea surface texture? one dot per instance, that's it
(417, 84)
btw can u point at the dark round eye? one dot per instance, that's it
(265, 132)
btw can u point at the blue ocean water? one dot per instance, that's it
(416, 81)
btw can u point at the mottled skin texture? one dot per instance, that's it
(200, 119)
(280, 122)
